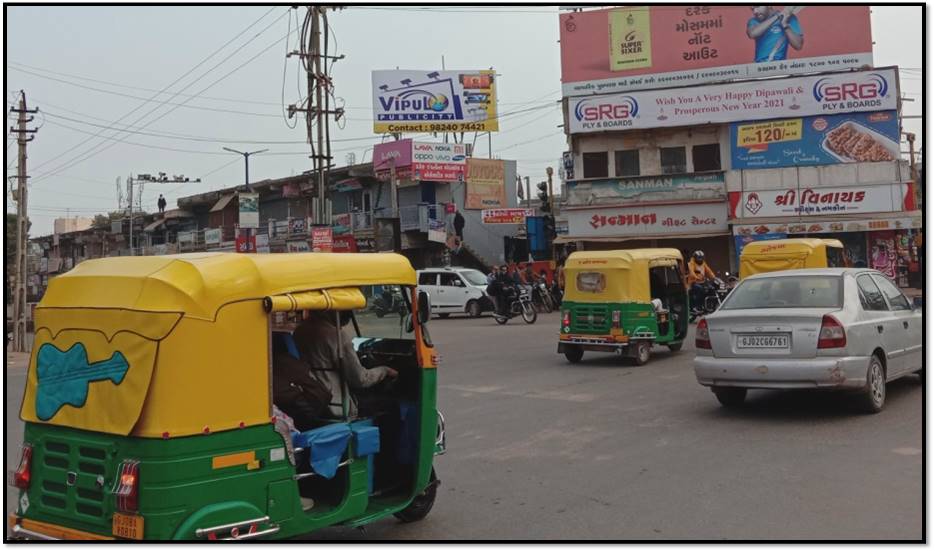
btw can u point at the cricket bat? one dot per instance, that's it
(791, 11)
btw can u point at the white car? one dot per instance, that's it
(455, 291)
(829, 328)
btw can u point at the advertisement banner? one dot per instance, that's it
(506, 216)
(439, 162)
(262, 243)
(297, 247)
(639, 48)
(434, 101)
(322, 239)
(297, 225)
(823, 140)
(389, 154)
(823, 200)
(245, 242)
(213, 236)
(344, 244)
(486, 184)
(249, 210)
(437, 231)
(695, 218)
(828, 94)
(908, 221)
(646, 189)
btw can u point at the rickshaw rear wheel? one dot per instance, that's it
(573, 354)
(642, 353)
(422, 504)
(675, 346)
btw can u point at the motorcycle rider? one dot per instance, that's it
(506, 289)
(698, 273)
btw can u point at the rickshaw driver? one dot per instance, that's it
(316, 339)
(698, 273)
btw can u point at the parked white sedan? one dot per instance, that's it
(830, 328)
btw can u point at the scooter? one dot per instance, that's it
(388, 302)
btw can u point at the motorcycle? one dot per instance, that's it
(541, 297)
(715, 291)
(388, 302)
(520, 304)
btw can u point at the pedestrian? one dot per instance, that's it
(459, 225)
(161, 203)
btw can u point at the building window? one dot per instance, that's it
(672, 160)
(595, 164)
(706, 158)
(627, 162)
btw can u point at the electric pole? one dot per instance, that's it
(246, 160)
(24, 136)
(313, 55)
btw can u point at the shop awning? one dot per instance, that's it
(614, 239)
(155, 225)
(222, 202)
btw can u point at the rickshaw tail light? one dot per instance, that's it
(566, 318)
(702, 339)
(127, 488)
(615, 318)
(23, 473)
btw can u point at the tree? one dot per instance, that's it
(102, 221)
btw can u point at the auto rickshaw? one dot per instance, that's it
(149, 414)
(611, 304)
(790, 254)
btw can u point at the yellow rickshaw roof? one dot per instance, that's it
(621, 259)
(198, 284)
(798, 245)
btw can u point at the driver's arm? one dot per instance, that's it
(708, 272)
(355, 373)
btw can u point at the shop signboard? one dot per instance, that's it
(245, 242)
(821, 140)
(290, 191)
(694, 218)
(262, 243)
(638, 48)
(486, 184)
(646, 189)
(297, 246)
(213, 236)
(907, 221)
(348, 184)
(814, 201)
(344, 244)
(506, 216)
(826, 94)
(322, 239)
(249, 215)
(297, 225)
(437, 231)
(568, 165)
(434, 101)
(341, 223)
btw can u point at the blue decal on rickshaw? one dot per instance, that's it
(65, 377)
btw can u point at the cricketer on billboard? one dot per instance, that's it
(434, 101)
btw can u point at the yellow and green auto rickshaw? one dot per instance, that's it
(790, 254)
(623, 302)
(149, 414)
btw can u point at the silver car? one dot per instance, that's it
(829, 328)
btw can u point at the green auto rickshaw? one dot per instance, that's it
(149, 409)
(624, 302)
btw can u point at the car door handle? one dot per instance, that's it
(879, 328)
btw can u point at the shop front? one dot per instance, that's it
(684, 226)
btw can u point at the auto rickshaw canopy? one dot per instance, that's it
(179, 345)
(785, 254)
(625, 273)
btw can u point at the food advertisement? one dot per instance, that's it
(821, 140)
(637, 48)
(811, 201)
(909, 221)
(434, 101)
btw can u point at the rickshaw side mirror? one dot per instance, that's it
(425, 307)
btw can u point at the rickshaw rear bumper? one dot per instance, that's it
(26, 529)
(591, 344)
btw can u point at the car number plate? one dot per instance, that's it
(128, 526)
(763, 341)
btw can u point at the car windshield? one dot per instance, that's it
(474, 277)
(786, 292)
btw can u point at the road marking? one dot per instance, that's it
(907, 451)
(543, 395)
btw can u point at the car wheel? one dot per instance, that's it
(573, 354)
(874, 396)
(730, 397)
(675, 346)
(642, 352)
(421, 504)
(443, 316)
(474, 309)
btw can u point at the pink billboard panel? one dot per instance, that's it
(385, 155)
(634, 48)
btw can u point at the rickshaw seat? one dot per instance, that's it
(325, 445)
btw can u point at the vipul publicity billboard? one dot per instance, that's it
(638, 48)
(434, 101)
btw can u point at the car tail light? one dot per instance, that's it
(615, 318)
(702, 338)
(566, 318)
(127, 487)
(24, 472)
(832, 333)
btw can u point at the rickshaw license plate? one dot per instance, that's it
(763, 341)
(128, 526)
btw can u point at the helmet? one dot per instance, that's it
(698, 256)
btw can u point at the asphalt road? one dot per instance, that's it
(540, 449)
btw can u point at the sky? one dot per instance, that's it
(89, 67)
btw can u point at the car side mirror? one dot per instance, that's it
(425, 307)
(917, 303)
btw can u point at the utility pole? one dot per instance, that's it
(246, 160)
(140, 180)
(24, 136)
(315, 59)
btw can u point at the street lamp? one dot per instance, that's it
(246, 158)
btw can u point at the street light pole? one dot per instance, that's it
(246, 158)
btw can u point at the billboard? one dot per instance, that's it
(322, 239)
(826, 94)
(434, 101)
(694, 218)
(438, 162)
(646, 189)
(249, 215)
(822, 140)
(809, 201)
(506, 216)
(486, 184)
(639, 48)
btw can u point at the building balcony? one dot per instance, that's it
(416, 217)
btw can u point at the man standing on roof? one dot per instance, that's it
(161, 203)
